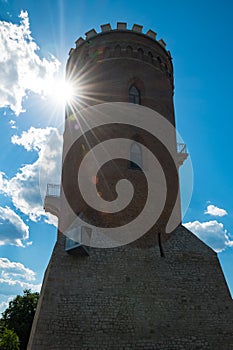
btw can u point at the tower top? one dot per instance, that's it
(121, 27)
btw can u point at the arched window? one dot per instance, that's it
(135, 156)
(140, 54)
(106, 52)
(134, 95)
(159, 59)
(150, 57)
(129, 51)
(117, 51)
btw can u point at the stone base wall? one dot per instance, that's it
(132, 298)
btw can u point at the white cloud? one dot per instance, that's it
(33, 139)
(212, 233)
(51, 219)
(21, 69)
(13, 230)
(11, 269)
(24, 190)
(215, 211)
(5, 299)
(28, 186)
(14, 278)
(12, 124)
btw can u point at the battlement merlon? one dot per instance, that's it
(121, 26)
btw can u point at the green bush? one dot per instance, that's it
(9, 340)
(19, 316)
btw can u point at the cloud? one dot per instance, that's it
(215, 211)
(15, 277)
(12, 269)
(24, 191)
(13, 230)
(12, 124)
(5, 299)
(21, 69)
(33, 139)
(51, 219)
(212, 233)
(27, 188)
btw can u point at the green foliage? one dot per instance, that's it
(2, 327)
(9, 340)
(19, 315)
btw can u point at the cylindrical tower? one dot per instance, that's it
(126, 66)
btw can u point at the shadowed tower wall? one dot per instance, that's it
(135, 296)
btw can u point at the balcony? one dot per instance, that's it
(52, 199)
(75, 246)
(182, 153)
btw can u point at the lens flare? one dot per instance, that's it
(60, 91)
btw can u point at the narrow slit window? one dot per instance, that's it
(134, 95)
(135, 156)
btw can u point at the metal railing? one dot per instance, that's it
(76, 238)
(53, 190)
(71, 244)
(181, 148)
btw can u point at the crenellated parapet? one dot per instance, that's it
(121, 26)
(127, 43)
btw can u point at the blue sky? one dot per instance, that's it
(34, 49)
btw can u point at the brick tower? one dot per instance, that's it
(161, 291)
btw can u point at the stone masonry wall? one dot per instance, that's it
(132, 298)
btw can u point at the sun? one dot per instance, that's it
(60, 91)
(63, 91)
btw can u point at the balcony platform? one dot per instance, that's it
(182, 153)
(52, 199)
